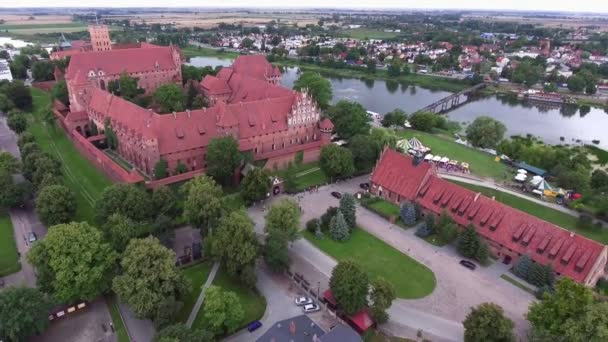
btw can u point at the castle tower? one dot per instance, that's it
(100, 37)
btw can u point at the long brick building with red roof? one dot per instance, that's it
(508, 232)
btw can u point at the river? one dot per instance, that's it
(553, 125)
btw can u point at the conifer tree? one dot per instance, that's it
(408, 213)
(522, 267)
(348, 209)
(468, 243)
(482, 252)
(338, 229)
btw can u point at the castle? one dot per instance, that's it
(268, 121)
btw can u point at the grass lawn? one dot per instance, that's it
(558, 218)
(363, 33)
(306, 175)
(517, 283)
(252, 302)
(376, 336)
(9, 260)
(387, 209)
(410, 278)
(194, 51)
(11, 27)
(481, 163)
(79, 174)
(119, 326)
(197, 275)
(435, 240)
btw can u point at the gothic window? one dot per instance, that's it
(273, 147)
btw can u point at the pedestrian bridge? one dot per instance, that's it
(451, 101)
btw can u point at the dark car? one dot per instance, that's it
(364, 186)
(468, 264)
(253, 326)
(336, 194)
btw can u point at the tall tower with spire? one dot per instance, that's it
(100, 37)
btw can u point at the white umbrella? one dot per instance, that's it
(522, 171)
(520, 177)
(428, 157)
(436, 158)
(445, 159)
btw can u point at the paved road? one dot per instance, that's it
(438, 314)
(493, 185)
(140, 330)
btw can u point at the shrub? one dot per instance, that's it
(312, 224)
(326, 218)
(584, 221)
(408, 213)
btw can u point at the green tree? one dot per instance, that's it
(449, 232)
(396, 117)
(119, 230)
(482, 253)
(5, 103)
(16, 121)
(129, 88)
(394, 68)
(234, 242)
(222, 311)
(349, 210)
(181, 333)
(349, 119)
(8, 162)
(364, 151)
(203, 203)
(43, 71)
(317, 86)
(568, 303)
(73, 262)
(10, 195)
(160, 169)
(170, 98)
(381, 296)
(522, 267)
(349, 286)
(487, 322)
(23, 313)
(256, 185)
(148, 278)
(275, 251)
(44, 165)
(55, 204)
(19, 94)
(180, 168)
(485, 132)
(223, 157)
(164, 201)
(336, 161)
(60, 92)
(284, 218)
(424, 121)
(24, 139)
(468, 242)
(527, 73)
(576, 83)
(111, 138)
(592, 326)
(338, 228)
(126, 199)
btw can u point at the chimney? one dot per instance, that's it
(292, 328)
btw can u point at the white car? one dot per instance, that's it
(311, 308)
(303, 301)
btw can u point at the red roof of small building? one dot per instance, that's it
(256, 66)
(569, 254)
(326, 124)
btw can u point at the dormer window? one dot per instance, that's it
(91, 73)
(100, 73)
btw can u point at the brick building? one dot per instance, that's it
(509, 233)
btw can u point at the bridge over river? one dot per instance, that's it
(453, 100)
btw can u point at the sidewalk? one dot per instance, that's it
(201, 297)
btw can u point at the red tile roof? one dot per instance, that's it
(326, 124)
(256, 66)
(570, 254)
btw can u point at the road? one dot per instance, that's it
(439, 314)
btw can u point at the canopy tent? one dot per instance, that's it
(436, 158)
(403, 144)
(522, 171)
(520, 177)
(445, 160)
(533, 169)
(413, 144)
(541, 184)
(429, 157)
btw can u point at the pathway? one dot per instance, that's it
(493, 185)
(201, 297)
(139, 330)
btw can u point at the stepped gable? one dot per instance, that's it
(255, 66)
(114, 62)
(569, 254)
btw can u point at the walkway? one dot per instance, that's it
(493, 185)
(201, 297)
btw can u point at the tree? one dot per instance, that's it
(527, 73)
(55, 204)
(160, 169)
(5, 103)
(336, 161)
(60, 92)
(149, 277)
(317, 86)
(16, 121)
(181, 333)
(19, 94)
(43, 71)
(23, 313)
(599, 179)
(349, 119)
(170, 98)
(119, 230)
(44, 165)
(424, 121)
(487, 322)
(203, 204)
(223, 157)
(364, 151)
(338, 228)
(349, 210)
(180, 168)
(523, 266)
(275, 252)
(247, 43)
(381, 296)
(129, 89)
(284, 218)
(550, 315)
(126, 199)
(256, 185)
(394, 68)
(485, 132)
(73, 262)
(164, 201)
(449, 232)
(349, 285)
(407, 211)
(222, 311)
(576, 83)
(234, 242)
(468, 243)
(8, 162)
(12, 194)
(592, 326)
(396, 117)
(482, 252)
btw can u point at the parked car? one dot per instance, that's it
(31, 237)
(311, 308)
(336, 194)
(303, 300)
(253, 326)
(364, 186)
(468, 264)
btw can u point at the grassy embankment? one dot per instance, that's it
(194, 51)
(410, 278)
(9, 259)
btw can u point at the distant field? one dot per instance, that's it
(13, 19)
(363, 33)
(28, 28)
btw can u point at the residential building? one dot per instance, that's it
(509, 233)
(5, 71)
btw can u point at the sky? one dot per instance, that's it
(597, 6)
